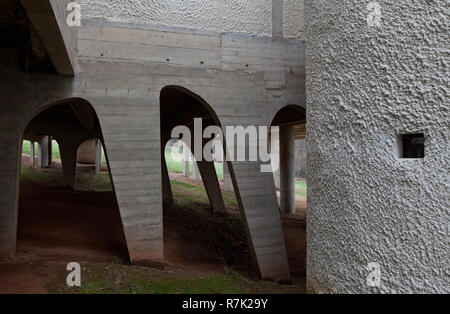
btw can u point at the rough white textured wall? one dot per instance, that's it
(364, 86)
(242, 16)
(246, 16)
(293, 19)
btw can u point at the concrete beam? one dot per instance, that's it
(49, 19)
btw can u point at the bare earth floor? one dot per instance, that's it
(205, 252)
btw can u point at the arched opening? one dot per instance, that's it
(64, 208)
(290, 182)
(202, 221)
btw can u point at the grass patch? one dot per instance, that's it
(300, 187)
(195, 197)
(27, 173)
(101, 182)
(105, 278)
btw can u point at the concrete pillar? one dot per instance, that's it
(50, 151)
(186, 160)
(275, 153)
(195, 171)
(98, 156)
(86, 153)
(9, 197)
(227, 182)
(32, 155)
(69, 162)
(277, 18)
(43, 152)
(212, 187)
(287, 169)
(166, 187)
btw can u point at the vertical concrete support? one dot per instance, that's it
(227, 183)
(166, 187)
(186, 160)
(287, 169)
(43, 152)
(195, 171)
(9, 185)
(275, 139)
(212, 187)
(98, 156)
(50, 151)
(32, 155)
(277, 18)
(69, 162)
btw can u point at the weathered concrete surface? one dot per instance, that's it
(366, 85)
(86, 152)
(250, 16)
(60, 40)
(122, 69)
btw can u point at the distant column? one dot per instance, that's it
(98, 156)
(287, 169)
(186, 159)
(43, 152)
(195, 171)
(32, 154)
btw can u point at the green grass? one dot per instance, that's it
(122, 279)
(32, 174)
(195, 197)
(173, 165)
(101, 182)
(300, 187)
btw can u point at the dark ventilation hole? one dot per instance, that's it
(411, 145)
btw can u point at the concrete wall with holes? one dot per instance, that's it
(367, 83)
(249, 16)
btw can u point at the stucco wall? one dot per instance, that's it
(293, 18)
(242, 16)
(364, 86)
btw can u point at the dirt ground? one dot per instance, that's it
(57, 225)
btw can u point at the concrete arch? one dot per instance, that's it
(51, 121)
(180, 106)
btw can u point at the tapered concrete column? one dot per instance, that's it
(275, 153)
(186, 159)
(43, 152)
(287, 169)
(212, 187)
(98, 156)
(227, 182)
(195, 171)
(69, 163)
(32, 155)
(166, 187)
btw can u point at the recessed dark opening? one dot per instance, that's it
(412, 145)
